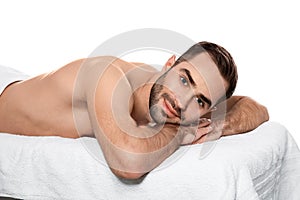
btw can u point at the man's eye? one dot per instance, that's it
(199, 101)
(183, 81)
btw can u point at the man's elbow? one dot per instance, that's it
(265, 114)
(127, 175)
(262, 114)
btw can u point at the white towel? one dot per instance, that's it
(262, 164)
(9, 75)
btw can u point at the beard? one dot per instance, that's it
(156, 112)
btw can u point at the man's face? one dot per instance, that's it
(187, 91)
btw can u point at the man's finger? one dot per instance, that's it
(213, 135)
(201, 139)
(204, 122)
(202, 131)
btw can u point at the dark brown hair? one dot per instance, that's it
(221, 58)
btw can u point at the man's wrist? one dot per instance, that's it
(220, 127)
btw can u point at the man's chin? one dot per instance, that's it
(157, 115)
(159, 120)
(165, 120)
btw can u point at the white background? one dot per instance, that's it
(262, 36)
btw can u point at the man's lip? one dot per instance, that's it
(169, 109)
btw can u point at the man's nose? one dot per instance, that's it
(184, 99)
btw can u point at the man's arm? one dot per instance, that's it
(130, 150)
(243, 114)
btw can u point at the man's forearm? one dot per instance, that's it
(131, 155)
(140, 155)
(244, 114)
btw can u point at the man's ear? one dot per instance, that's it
(170, 62)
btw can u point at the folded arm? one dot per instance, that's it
(243, 114)
(130, 150)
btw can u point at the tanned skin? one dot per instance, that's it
(76, 100)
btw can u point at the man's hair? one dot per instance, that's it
(221, 58)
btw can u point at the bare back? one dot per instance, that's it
(44, 105)
(40, 105)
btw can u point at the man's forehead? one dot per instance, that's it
(201, 61)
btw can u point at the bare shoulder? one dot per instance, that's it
(108, 90)
(106, 70)
(81, 77)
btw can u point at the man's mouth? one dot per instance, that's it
(169, 110)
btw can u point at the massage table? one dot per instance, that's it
(261, 164)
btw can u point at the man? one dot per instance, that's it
(139, 116)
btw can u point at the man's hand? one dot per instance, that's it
(243, 115)
(210, 132)
(198, 134)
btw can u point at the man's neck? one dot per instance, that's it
(141, 95)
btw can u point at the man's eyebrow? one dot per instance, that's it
(188, 74)
(207, 100)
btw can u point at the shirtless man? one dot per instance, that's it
(139, 115)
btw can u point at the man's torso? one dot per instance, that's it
(45, 105)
